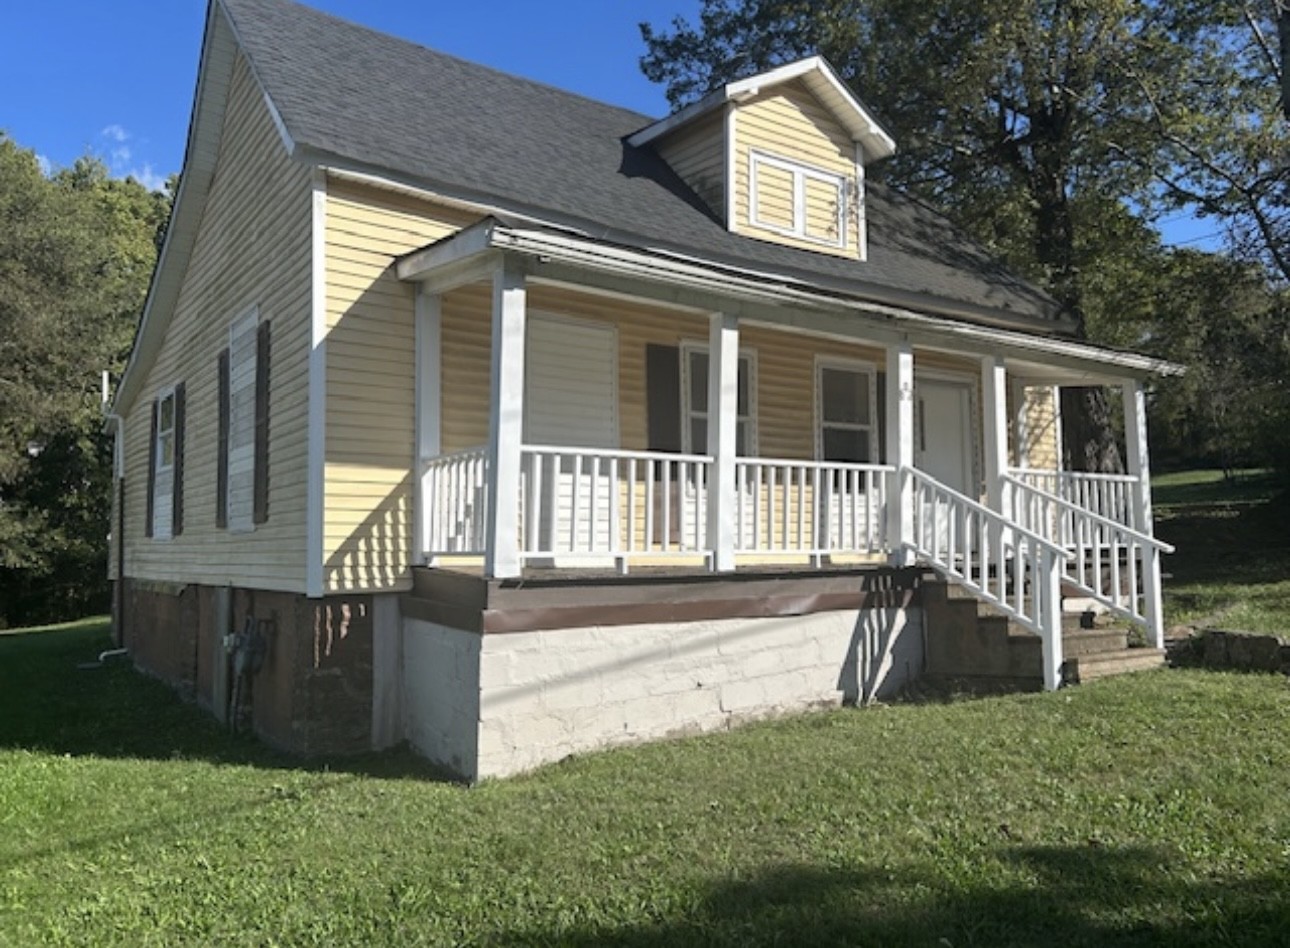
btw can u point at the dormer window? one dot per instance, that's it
(797, 200)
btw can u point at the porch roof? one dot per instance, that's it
(551, 255)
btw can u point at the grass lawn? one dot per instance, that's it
(1232, 568)
(1151, 810)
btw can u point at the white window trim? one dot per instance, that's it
(800, 172)
(163, 505)
(687, 412)
(241, 521)
(847, 365)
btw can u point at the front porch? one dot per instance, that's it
(920, 461)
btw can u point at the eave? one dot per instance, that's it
(818, 76)
(666, 278)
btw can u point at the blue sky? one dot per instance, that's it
(115, 78)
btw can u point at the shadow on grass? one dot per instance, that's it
(1074, 896)
(48, 704)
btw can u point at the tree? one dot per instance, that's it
(1020, 119)
(76, 253)
(1232, 329)
(1225, 130)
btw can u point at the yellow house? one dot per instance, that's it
(473, 413)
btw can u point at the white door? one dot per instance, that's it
(570, 400)
(943, 447)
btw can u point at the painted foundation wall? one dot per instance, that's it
(542, 696)
(441, 694)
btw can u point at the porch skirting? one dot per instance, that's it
(495, 704)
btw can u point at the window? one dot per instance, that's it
(694, 402)
(165, 513)
(797, 200)
(845, 398)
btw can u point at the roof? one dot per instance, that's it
(352, 98)
(819, 77)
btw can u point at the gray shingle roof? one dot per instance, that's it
(379, 102)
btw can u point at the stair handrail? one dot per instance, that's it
(994, 550)
(1151, 616)
(1145, 539)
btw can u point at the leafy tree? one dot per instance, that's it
(76, 253)
(1024, 120)
(1232, 330)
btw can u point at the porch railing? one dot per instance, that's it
(1110, 562)
(1107, 495)
(1016, 569)
(454, 503)
(595, 502)
(810, 507)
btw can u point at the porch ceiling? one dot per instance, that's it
(767, 299)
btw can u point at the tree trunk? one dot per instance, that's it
(1088, 437)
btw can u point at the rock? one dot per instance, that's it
(1215, 648)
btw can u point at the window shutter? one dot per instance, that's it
(152, 473)
(260, 499)
(221, 463)
(177, 492)
(663, 397)
(881, 409)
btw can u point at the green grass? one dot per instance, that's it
(1209, 488)
(1232, 567)
(1152, 810)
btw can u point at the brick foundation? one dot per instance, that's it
(313, 694)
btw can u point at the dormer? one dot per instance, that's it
(780, 156)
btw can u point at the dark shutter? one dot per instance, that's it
(260, 499)
(663, 397)
(177, 495)
(152, 471)
(221, 459)
(880, 428)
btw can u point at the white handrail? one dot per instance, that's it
(1108, 494)
(454, 503)
(1058, 501)
(597, 503)
(1114, 564)
(994, 557)
(810, 507)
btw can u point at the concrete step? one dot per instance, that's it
(1086, 668)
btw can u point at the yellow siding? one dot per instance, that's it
(697, 153)
(367, 532)
(1039, 429)
(253, 248)
(790, 123)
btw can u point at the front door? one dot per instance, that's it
(944, 445)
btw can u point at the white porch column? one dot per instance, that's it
(1138, 462)
(505, 421)
(429, 395)
(900, 451)
(994, 430)
(723, 421)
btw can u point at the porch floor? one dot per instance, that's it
(461, 597)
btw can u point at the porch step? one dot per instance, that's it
(1085, 668)
(973, 643)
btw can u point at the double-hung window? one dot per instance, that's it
(694, 402)
(845, 399)
(240, 479)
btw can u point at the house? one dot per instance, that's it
(511, 424)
